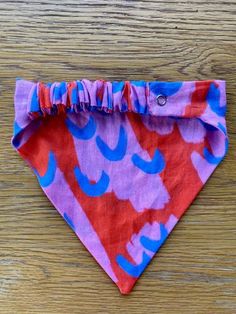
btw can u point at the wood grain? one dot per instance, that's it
(43, 267)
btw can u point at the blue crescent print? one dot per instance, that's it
(84, 133)
(116, 153)
(63, 88)
(139, 108)
(165, 88)
(92, 189)
(49, 176)
(109, 100)
(57, 93)
(138, 83)
(213, 159)
(154, 245)
(117, 87)
(156, 165)
(74, 96)
(210, 157)
(80, 86)
(16, 129)
(69, 221)
(34, 105)
(129, 268)
(213, 99)
(149, 244)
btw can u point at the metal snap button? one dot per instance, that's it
(161, 100)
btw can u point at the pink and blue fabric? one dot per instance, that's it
(121, 161)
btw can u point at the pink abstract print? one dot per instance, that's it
(121, 161)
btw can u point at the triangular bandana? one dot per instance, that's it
(121, 161)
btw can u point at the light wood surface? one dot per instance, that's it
(43, 266)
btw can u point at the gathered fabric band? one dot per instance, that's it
(155, 98)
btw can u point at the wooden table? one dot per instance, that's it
(43, 266)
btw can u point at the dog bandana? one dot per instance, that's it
(121, 161)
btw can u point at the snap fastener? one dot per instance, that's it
(161, 100)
